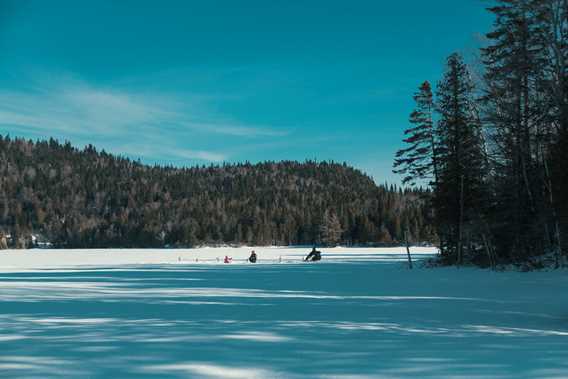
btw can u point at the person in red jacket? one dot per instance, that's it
(227, 259)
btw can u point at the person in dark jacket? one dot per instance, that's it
(252, 258)
(313, 256)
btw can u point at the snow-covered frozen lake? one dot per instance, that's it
(360, 313)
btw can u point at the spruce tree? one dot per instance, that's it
(417, 161)
(459, 192)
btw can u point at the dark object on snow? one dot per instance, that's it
(252, 258)
(313, 256)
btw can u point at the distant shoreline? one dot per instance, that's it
(230, 246)
(14, 260)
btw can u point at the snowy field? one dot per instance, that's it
(39, 259)
(360, 313)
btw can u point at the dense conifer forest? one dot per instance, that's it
(85, 198)
(494, 146)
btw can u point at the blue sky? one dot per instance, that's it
(188, 82)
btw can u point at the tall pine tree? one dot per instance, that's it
(459, 193)
(417, 161)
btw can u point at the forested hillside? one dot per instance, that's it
(86, 198)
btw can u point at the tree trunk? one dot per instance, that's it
(407, 248)
(460, 226)
(487, 250)
(555, 219)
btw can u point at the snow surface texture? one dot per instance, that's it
(30, 259)
(360, 313)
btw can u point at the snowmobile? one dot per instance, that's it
(313, 256)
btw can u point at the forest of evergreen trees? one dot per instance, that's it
(495, 150)
(85, 198)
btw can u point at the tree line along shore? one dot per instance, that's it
(54, 194)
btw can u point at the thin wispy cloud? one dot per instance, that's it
(235, 130)
(131, 123)
(175, 154)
